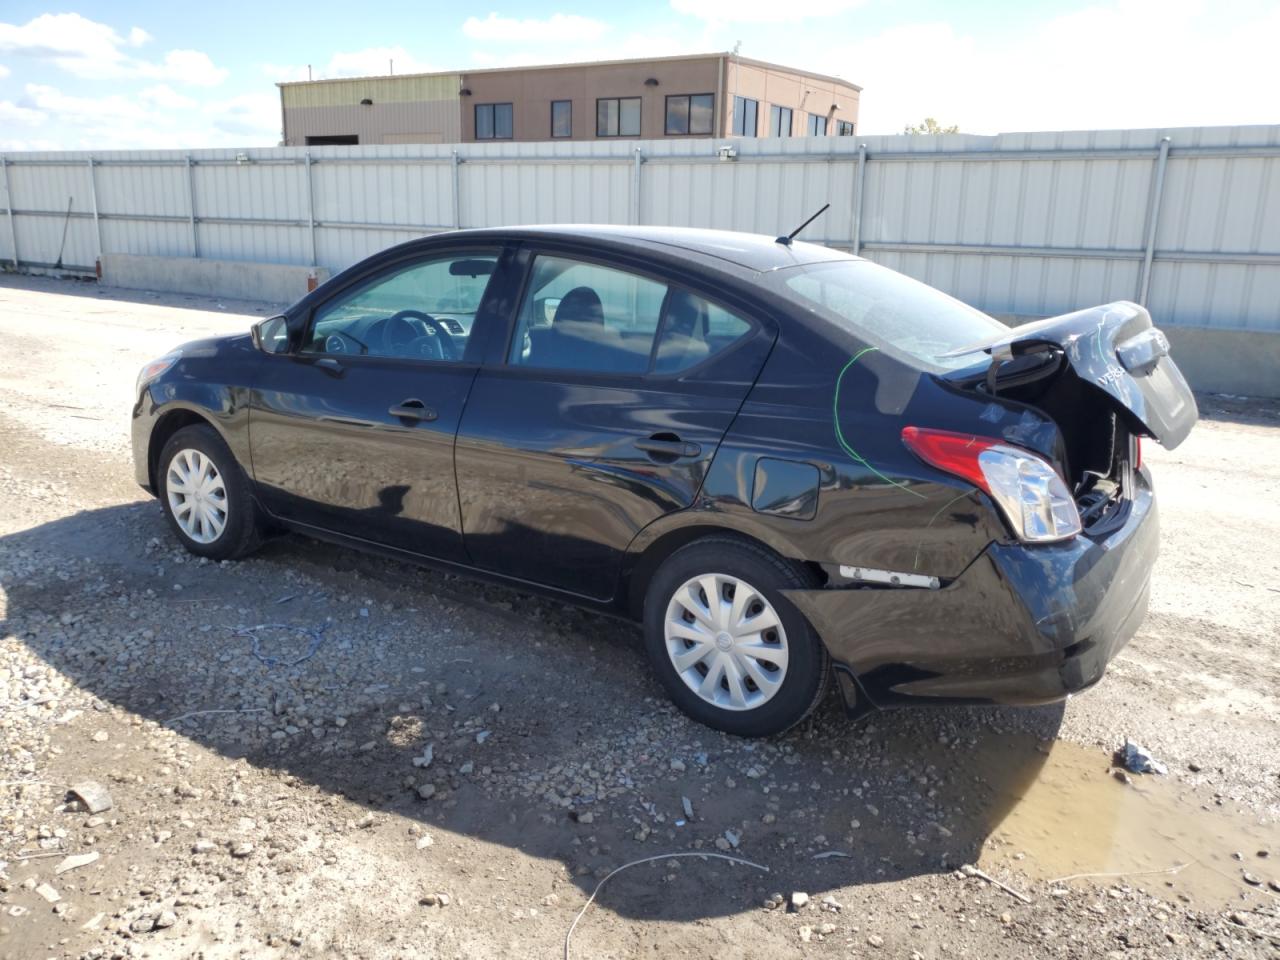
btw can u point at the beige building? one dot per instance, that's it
(712, 95)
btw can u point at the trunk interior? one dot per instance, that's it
(1100, 452)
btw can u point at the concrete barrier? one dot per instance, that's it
(238, 279)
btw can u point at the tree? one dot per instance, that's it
(929, 125)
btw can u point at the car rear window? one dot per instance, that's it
(888, 310)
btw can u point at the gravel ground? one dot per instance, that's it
(416, 765)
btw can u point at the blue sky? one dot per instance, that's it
(135, 74)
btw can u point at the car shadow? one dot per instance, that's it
(581, 762)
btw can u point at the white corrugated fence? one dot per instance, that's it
(1187, 220)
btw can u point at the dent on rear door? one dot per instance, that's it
(553, 488)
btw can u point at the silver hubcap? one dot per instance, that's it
(726, 641)
(197, 496)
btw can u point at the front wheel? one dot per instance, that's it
(730, 650)
(205, 495)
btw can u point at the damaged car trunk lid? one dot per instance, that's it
(1114, 349)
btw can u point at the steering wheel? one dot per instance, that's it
(397, 331)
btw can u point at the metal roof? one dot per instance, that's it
(799, 71)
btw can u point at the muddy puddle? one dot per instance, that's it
(1068, 814)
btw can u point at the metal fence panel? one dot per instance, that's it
(1024, 223)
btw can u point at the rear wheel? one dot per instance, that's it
(205, 495)
(730, 650)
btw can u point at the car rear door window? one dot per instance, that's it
(584, 316)
(694, 329)
(421, 311)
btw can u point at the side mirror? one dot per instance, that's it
(271, 335)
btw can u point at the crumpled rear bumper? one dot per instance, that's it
(1023, 624)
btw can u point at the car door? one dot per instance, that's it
(616, 388)
(352, 430)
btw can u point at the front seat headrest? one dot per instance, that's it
(580, 305)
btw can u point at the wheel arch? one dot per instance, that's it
(169, 423)
(652, 547)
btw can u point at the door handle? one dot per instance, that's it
(663, 448)
(412, 410)
(329, 365)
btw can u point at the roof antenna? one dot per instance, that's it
(786, 241)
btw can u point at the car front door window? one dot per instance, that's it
(419, 311)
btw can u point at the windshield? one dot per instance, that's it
(890, 311)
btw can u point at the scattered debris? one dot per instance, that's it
(48, 893)
(969, 870)
(93, 796)
(799, 900)
(1095, 876)
(314, 634)
(428, 754)
(828, 854)
(1138, 759)
(687, 804)
(205, 713)
(635, 863)
(76, 861)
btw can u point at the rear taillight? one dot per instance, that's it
(1137, 454)
(1026, 488)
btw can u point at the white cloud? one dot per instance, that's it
(95, 51)
(284, 73)
(4, 71)
(10, 145)
(254, 116)
(84, 111)
(11, 112)
(185, 66)
(369, 62)
(165, 97)
(760, 11)
(1128, 63)
(375, 62)
(630, 46)
(558, 28)
(156, 118)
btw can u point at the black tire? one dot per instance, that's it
(808, 670)
(242, 532)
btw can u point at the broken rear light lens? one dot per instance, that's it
(1029, 492)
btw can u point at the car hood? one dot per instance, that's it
(212, 346)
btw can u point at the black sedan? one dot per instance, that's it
(787, 462)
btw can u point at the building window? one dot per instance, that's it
(745, 113)
(817, 125)
(690, 114)
(562, 118)
(618, 117)
(779, 121)
(493, 121)
(844, 128)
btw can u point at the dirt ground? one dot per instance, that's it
(414, 765)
